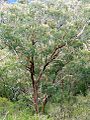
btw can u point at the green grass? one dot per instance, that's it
(78, 111)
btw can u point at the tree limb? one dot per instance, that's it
(4, 57)
(81, 32)
(51, 58)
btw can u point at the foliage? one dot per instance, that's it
(47, 41)
(11, 111)
(79, 110)
(14, 80)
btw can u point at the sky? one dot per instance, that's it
(13, 1)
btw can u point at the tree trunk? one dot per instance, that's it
(35, 98)
(44, 103)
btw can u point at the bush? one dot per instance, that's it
(78, 111)
(5, 106)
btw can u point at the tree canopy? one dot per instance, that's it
(48, 40)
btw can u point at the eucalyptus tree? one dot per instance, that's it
(44, 36)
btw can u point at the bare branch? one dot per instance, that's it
(5, 115)
(81, 32)
(4, 57)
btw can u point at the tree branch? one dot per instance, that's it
(4, 57)
(53, 56)
(81, 32)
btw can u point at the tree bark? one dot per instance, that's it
(44, 103)
(35, 98)
(34, 84)
(35, 88)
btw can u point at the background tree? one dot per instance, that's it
(44, 36)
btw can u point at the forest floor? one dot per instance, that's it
(78, 111)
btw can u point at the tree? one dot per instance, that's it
(44, 37)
